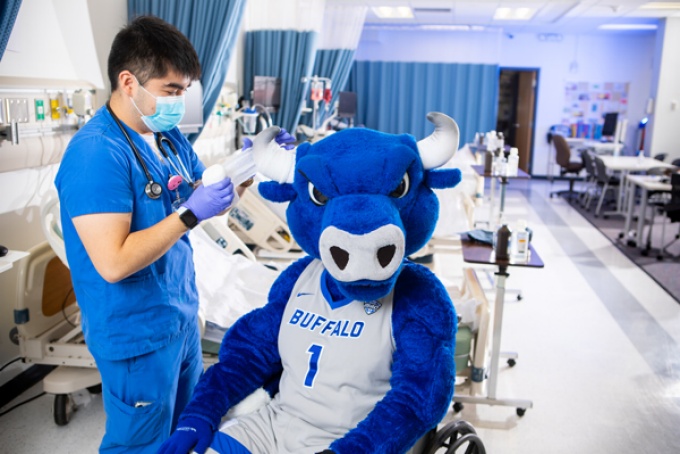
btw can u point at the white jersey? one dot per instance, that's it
(336, 367)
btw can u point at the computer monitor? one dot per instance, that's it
(267, 92)
(610, 120)
(347, 104)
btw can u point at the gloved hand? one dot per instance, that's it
(208, 201)
(285, 140)
(190, 433)
(326, 451)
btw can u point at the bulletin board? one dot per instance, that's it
(585, 104)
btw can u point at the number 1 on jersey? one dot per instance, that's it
(314, 355)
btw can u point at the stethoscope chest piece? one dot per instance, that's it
(153, 190)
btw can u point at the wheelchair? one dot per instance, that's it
(457, 437)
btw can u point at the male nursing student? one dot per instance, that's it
(129, 191)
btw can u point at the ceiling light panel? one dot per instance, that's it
(661, 5)
(393, 12)
(514, 14)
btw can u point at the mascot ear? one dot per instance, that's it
(276, 192)
(442, 179)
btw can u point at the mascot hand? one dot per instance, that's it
(190, 433)
(326, 451)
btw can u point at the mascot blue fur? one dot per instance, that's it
(356, 341)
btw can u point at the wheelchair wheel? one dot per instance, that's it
(455, 435)
(472, 444)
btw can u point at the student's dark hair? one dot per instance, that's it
(149, 48)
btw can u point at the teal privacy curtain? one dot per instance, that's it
(212, 28)
(287, 54)
(335, 64)
(395, 97)
(8, 14)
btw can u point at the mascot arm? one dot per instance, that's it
(249, 355)
(423, 369)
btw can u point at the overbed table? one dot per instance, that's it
(521, 174)
(480, 253)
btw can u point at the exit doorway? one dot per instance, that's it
(517, 90)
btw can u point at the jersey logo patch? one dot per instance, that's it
(372, 307)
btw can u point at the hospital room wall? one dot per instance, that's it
(596, 58)
(663, 134)
(54, 60)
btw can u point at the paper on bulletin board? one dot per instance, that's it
(585, 104)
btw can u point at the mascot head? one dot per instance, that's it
(360, 200)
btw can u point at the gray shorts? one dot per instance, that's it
(270, 431)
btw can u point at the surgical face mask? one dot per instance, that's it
(169, 112)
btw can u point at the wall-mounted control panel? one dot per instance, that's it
(36, 112)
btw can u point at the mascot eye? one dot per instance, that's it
(317, 197)
(403, 188)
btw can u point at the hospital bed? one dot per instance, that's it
(48, 317)
(47, 320)
(258, 226)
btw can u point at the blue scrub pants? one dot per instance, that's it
(144, 395)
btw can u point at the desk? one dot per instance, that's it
(646, 183)
(11, 257)
(575, 142)
(475, 252)
(602, 148)
(521, 174)
(626, 164)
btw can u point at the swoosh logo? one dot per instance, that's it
(304, 294)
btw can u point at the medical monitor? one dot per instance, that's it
(347, 104)
(609, 127)
(267, 92)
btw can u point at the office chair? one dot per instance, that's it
(605, 182)
(591, 180)
(670, 207)
(563, 159)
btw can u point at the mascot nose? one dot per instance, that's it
(375, 255)
(384, 254)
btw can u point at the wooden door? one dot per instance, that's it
(524, 127)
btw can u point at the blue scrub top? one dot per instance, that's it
(100, 174)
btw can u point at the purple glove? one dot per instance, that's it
(208, 201)
(285, 140)
(190, 433)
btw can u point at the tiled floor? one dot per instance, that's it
(597, 342)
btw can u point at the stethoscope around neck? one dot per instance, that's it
(153, 189)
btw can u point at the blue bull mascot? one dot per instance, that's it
(356, 342)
